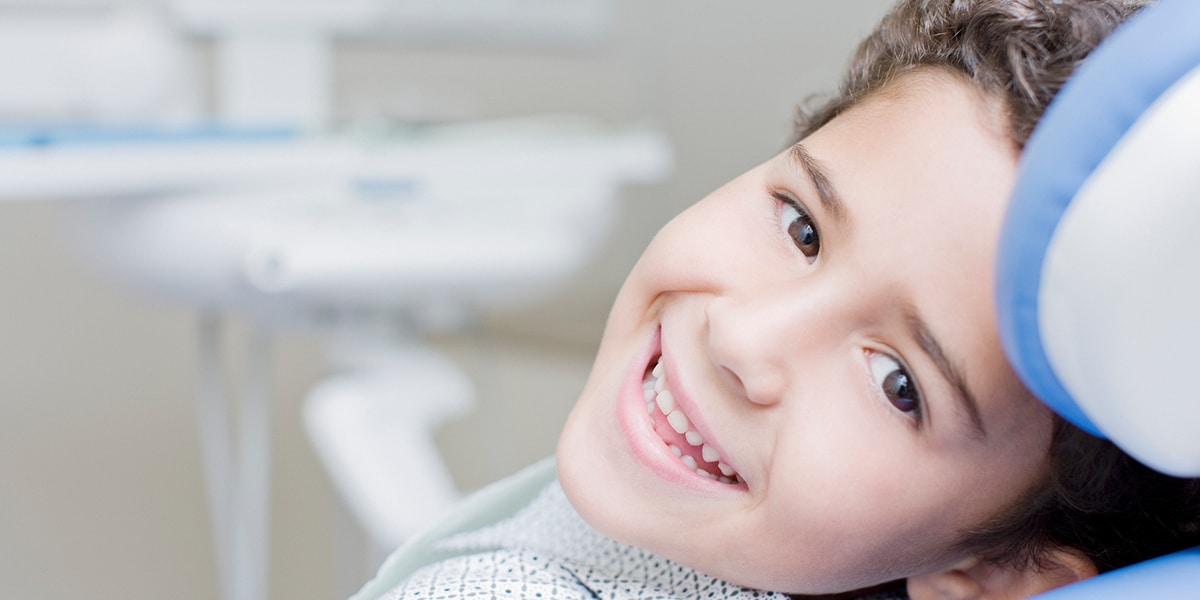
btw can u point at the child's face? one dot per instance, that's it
(820, 367)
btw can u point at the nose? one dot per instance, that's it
(767, 343)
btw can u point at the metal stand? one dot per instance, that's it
(237, 476)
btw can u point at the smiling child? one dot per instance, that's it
(835, 352)
(800, 387)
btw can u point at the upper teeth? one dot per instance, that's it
(658, 398)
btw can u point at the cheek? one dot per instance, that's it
(719, 243)
(683, 248)
(1019, 459)
(869, 500)
(857, 493)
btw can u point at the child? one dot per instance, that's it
(800, 387)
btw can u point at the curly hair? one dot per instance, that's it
(1020, 51)
(1095, 499)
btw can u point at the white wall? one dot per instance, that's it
(101, 493)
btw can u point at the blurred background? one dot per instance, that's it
(102, 490)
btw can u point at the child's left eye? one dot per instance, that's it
(795, 221)
(896, 384)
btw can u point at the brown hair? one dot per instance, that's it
(1020, 51)
(1099, 501)
(1096, 499)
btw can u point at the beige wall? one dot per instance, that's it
(101, 493)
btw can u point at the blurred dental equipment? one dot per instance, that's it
(260, 207)
(136, 61)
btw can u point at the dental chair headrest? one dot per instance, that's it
(1098, 283)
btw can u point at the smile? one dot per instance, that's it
(676, 431)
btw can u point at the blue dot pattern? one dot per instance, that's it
(547, 552)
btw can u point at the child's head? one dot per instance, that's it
(830, 370)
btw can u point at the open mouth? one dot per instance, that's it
(677, 432)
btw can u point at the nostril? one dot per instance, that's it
(740, 345)
(733, 381)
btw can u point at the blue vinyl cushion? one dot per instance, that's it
(1175, 576)
(1107, 95)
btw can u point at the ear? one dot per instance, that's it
(973, 579)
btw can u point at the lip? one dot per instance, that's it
(644, 443)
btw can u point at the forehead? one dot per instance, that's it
(929, 154)
(933, 100)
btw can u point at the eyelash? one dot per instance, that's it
(790, 203)
(881, 374)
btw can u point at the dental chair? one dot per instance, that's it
(1098, 280)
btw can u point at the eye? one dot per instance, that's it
(795, 221)
(896, 384)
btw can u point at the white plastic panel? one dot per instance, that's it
(524, 22)
(72, 65)
(223, 16)
(1119, 305)
(553, 23)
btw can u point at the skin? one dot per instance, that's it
(770, 353)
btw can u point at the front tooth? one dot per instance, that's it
(709, 454)
(694, 438)
(678, 421)
(726, 470)
(666, 402)
(689, 461)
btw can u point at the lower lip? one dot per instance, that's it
(647, 447)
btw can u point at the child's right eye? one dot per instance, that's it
(795, 221)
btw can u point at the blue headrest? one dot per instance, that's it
(1098, 282)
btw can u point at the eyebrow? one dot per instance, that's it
(931, 347)
(826, 193)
